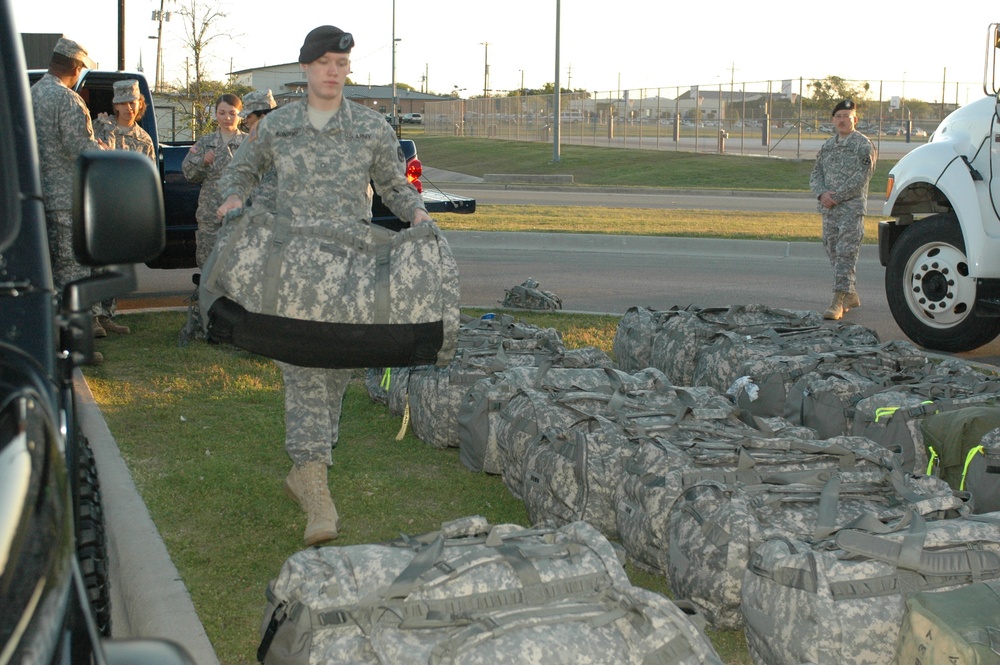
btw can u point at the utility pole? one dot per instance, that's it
(486, 69)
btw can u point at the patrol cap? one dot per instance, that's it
(846, 105)
(325, 39)
(126, 91)
(71, 49)
(257, 100)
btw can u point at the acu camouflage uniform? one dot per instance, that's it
(844, 166)
(64, 130)
(323, 176)
(209, 199)
(133, 138)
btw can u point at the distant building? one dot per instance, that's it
(286, 83)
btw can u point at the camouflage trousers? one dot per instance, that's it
(313, 401)
(843, 230)
(206, 236)
(65, 267)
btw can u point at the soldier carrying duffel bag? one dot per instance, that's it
(313, 283)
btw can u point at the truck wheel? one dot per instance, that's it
(91, 540)
(929, 290)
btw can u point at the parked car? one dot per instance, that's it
(413, 119)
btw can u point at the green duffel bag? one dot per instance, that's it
(957, 627)
(954, 441)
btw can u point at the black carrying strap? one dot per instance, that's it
(321, 344)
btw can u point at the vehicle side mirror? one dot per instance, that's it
(118, 213)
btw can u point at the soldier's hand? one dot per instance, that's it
(232, 202)
(421, 216)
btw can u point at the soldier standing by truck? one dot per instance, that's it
(64, 130)
(844, 167)
(123, 133)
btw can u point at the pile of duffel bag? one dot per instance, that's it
(796, 478)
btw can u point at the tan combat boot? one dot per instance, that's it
(307, 485)
(836, 309)
(852, 300)
(99, 331)
(109, 325)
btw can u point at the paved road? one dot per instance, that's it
(609, 274)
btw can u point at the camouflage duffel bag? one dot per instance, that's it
(841, 600)
(480, 408)
(715, 526)
(472, 593)
(332, 293)
(571, 474)
(660, 471)
(683, 332)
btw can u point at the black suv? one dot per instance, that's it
(54, 587)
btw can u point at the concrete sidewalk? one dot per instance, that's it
(148, 597)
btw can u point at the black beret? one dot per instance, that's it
(325, 39)
(846, 105)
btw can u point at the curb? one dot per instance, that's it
(148, 596)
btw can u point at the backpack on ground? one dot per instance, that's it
(955, 447)
(957, 627)
(528, 296)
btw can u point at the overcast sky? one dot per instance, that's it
(604, 45)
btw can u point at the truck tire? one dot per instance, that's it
(91, 540)
(930, 293)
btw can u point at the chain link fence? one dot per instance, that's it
(746, 117)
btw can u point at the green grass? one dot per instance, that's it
(202, 432)
(619, 167)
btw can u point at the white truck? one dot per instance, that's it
(941, 250)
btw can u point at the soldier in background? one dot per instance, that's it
(325, 149)
(256, 105)
(844, 167)
(204, 164)
(123, 133)
(64, 131)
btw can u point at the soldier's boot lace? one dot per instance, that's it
(836, 309)
(852, 300)
(307, 486)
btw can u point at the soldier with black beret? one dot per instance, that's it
(326, 150)
(844, 167)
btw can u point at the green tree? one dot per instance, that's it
(835, 87)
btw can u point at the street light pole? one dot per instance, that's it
(557, 102)
(395, 110)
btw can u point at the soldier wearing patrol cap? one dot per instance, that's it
(63, 130)
(122, 132)
(844, 167)
(326, 150)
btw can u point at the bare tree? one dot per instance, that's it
(200, 22)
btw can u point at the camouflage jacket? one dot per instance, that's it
(133, 138)
(325, 174)
(844, 166)
(63, 128)
(196, 170)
